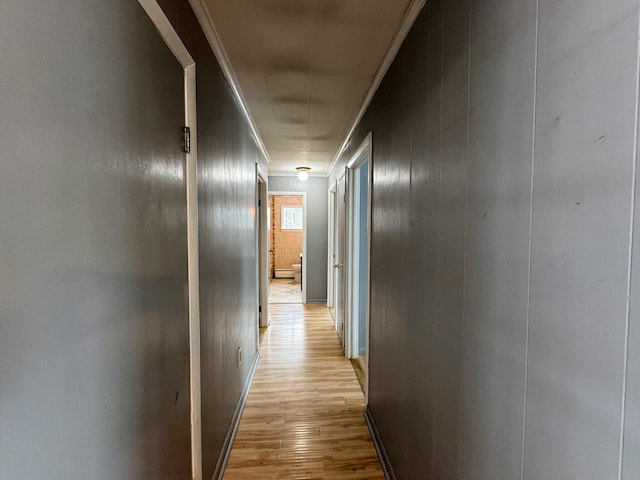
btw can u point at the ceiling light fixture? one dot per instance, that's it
(303, 173)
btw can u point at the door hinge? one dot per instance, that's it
(186, 139)
(260, 309)
(259, 202)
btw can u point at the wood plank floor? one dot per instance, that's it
(304, 415)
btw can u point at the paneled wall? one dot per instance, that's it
(94, 340)
(94, 351)
(504, 154)
(317, 225)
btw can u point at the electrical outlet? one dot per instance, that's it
(239, 356)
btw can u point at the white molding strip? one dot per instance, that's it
(167, 32)
(206, 22)
(410, 16)
(191, 120)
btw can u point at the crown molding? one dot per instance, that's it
(206, 22)
(409, 18)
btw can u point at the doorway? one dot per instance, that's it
(262, 221)
(189, 143)
(331, 251)
(337, 265)
(358, 249)
(287, 220)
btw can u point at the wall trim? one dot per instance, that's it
(167, 32)
(410, 16)
(209, 29)
(379, 446)
(223, 460)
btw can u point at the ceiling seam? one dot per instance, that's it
(314, 59)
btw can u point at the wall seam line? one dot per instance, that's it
(625, 373)
(464, 260)
(438, 218)
(531, 199)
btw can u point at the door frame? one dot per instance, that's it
(180, 51)
(331, 244)
(282, 193)
(340, 227)
(362, 156)
(262, 246)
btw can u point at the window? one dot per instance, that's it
(291, 218)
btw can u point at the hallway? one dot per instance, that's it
(304, 415)
(499, 310)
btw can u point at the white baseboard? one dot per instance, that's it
(377, 443)
(235, 421)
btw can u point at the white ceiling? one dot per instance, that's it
(304, 68)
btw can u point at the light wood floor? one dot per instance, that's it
(304, 415)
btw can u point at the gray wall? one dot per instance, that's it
(94, 352)
(317, 230)
(94, 358)
(504, 162)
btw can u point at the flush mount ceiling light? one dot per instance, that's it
(303, 173)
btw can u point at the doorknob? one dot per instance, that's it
(337, 265)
